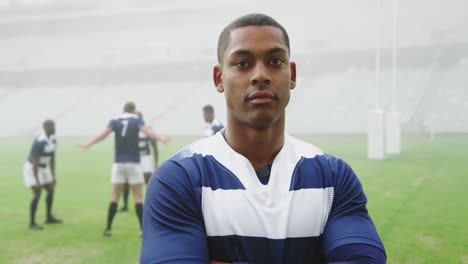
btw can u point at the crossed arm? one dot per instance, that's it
(173, 230)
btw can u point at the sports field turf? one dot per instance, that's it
(418, 201)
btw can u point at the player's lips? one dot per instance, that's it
(261, 97)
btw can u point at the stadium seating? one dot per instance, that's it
(334, 103)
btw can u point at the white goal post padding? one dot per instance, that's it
(375, 135)
(392, 133)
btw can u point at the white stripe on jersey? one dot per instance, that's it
(272, 210)
(280, 177)
(44, 160)
(303, 213)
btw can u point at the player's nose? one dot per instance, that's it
(260, 75)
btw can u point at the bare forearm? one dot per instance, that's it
(95, 140)
(151, 134)
(155, 152)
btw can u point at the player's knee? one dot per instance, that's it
(49, 188)
(36, 194)
(137, 196)
(115, 197)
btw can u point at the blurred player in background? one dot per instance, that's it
(212, 125)
(127, 168)
(39, 172)
(147, 163)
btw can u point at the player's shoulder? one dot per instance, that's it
(312, 154)
(203, 147)
(42, 139)
(39, 143)
(216, 122)
(185, 168)
(52, 139)
(180, 169)
(302, 148)
(124, 116)
(192, 156)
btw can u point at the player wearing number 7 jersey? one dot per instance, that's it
(126, 167)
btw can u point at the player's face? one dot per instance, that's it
(49, 128)
(208, 116)
(256, 76)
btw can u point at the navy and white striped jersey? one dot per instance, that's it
(126, 128)
(144, 144)
(44, 148)
(207, 203)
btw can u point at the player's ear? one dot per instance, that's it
(217, 78)
(292, 84)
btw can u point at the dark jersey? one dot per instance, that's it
(207, 203)
(144, 144)
(126, 128)
(44, 148)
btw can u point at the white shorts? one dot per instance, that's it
(146, 164)
(128, 172)
(42, 173)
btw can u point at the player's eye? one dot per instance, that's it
(276, 61)
(241, 64)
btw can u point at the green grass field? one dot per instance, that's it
(417, 199)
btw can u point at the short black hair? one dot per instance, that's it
(48, 122)
(129, 107)
(208, 108)
(244, 21)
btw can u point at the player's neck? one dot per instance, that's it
(259, 146)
